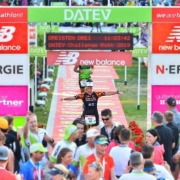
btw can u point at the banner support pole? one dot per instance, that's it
(139, 82)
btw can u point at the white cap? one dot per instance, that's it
(92, 133)
(89, 84)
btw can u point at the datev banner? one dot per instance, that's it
(165, 69)
(89, 58)
(13, 99)
(161, 93)
(14, 69)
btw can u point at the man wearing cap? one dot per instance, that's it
(33, 169)
(84, 151)
(106, 161)
(4, 174)
(171, 104)
(68, 141)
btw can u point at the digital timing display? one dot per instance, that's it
(92, 41)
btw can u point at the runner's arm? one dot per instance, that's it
(79, 96)
(109, 93)
(26, 126)
(76, 69)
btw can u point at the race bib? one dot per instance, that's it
(83, 83)
(90, 119)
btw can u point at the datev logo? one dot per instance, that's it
(10, 103)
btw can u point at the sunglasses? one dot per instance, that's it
(106, 119)
(95, 165)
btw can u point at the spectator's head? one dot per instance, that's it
(152, 136)
(106, 116)
(33, 122)
(147, 151)
(3, 125)
(65, 156)
(89, 86)
(157, 118)
(170, 103)
(101, 142)
(160, 1)
(117, 132)
(37, 151)
(95, 171)
(91, 134)
(149, 167)
(125, 135)
(10, 120)
(2, 138)
(168, 117)
(136, 160)
(3, 156)
(81, 125)
(71, 133)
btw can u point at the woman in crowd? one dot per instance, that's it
(90, 100)
(152, 138)
(82, 128)
(65, 158)
(116, 141)
(95, 171)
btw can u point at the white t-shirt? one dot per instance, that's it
(121, 155)
(137, 176)
(162, 172)
(62, 144)
(80, 157)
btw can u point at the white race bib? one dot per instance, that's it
(90, 119)
(83, 83)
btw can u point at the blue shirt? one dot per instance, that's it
(30, 172)
(72, 168)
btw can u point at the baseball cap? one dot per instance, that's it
(59, 169)
(92, 133)
(3, 153)
(89, 83)
(101, 140)
(37, 147)
(171, 101)
(71, 129)
(3, 123)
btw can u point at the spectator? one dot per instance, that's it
(84, 151)
(136, 162)
(96, 3)
(10, 120)
(161, 170)
(5, 3)
(171, 106)
(160, 3)
(99, 155)
(82, 128)
(95, 171)
(145, 3)
(12, 143)
(120, 3)
(33, 169)
(144, 37)
(9, 165)
(177, 3)
(137, 3)
(73, 3)
(166, 136)
(4, 174)
(108, 128)
(122, 151)
(150, 169)
(68, 141)
(152, 138)
(130, 3)
(116, 140)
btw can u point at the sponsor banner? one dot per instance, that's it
(14, 100)
(134, 30)
(166, 38)
(47, 28)
(13, 38)
(139, 52)
(166, 15)
(37, 51)
(161, 93)
(18, 15)
(165, 69)
(89, 58)
(14, 69)
(89, 14)
(32, 36)
(58, 4)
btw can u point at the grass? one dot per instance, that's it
(129, 99)
(43, 115)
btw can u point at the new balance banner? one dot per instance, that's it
(13, 38)
(89, 58)
(166, 38)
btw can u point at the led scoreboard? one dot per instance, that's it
(93, 41)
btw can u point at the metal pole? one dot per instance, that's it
(125, 75)
(139, 82)
(44, 58)
(35, 92)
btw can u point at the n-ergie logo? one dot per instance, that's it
(10, 103)
(171, 69)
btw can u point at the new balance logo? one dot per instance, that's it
(67, 59)
(6, 33)
(174, 34)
